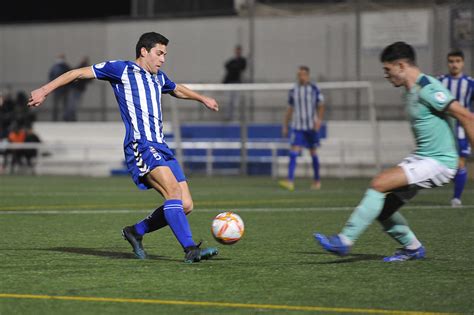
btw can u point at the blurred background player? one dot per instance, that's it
(461, 86)
(76, 93)
(306, 112)
(234, 67)
(433, 163)
(138, 87)
(60, 95)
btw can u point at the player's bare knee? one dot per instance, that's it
(173, 192)
(377, 184)
(188, 206)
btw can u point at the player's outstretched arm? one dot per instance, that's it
(185, 93)
(39, 95)
(465, 117)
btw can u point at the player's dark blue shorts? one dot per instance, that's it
(143, 156)
(464, 148)
(305, 138)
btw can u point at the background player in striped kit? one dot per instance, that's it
(306, 112)
(461, 86)
(138, 87)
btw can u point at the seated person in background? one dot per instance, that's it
(30, 154)
(16, 135)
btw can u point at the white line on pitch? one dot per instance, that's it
(124, 211)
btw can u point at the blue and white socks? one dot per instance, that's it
(292, 165)
(178, 223)
(155, 221)
(170, 213)
(459, 182)
(315, 161)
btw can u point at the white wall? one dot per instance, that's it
(199, 47)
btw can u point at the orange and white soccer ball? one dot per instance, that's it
(227, 228)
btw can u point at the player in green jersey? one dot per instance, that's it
(431, 109)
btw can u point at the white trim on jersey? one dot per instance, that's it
(160, 110)
(152, 88)
(143, 103)
(130, 105)
(93, 71)
(464, 91)
(305, 103)
(139, 95)
(461, 88)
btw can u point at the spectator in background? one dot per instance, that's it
(17, 135)
(234, 68)
(14, 115)
(77, 89)
(7, 107)
(31, 153)
(60, 96)
(21, 113)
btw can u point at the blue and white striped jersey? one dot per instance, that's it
(305, 100)
(462, 89)
(138, 94)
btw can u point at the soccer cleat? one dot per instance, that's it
(208, 252)
(456, 203)
(135, 240)
(195, 254)
(332, 244)
(315, 186)
(287, 185)
(404, 254)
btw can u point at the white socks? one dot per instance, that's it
(415, 244)
(345, 240)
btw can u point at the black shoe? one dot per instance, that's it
(129, 233)
(195, 254)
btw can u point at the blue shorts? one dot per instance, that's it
(143, 156)
(304, 138)
(464, 148)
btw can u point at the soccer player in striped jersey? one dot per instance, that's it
(138, 86)
(461, 86)
(306, 112)
(431, 108)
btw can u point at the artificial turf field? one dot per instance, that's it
(62, 253)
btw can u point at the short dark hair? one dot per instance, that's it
(149, 40)
(305, 68)
(456, 53)
(398, 50)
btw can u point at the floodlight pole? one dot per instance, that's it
(472, 37)
(357, 58)
(244, 113)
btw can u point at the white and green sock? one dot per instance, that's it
(397, 227)
(365, 213)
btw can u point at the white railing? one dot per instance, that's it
(95, 159)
